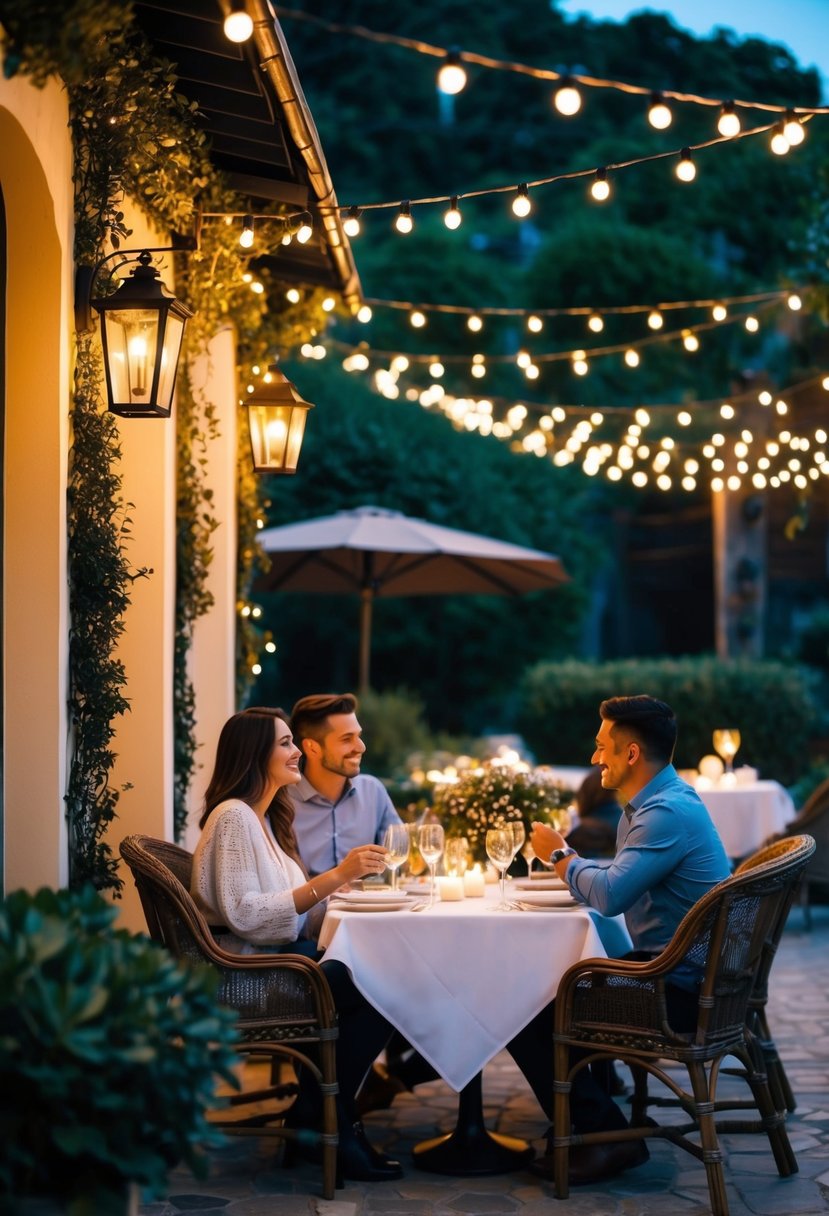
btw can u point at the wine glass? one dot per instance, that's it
(499, 851)
(516, 827)
(528, 853)
(416, 863)
(430, 843)
(727, 744)
(396, 844)
(456, 855)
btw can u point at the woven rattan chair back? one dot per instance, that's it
(283, 1003)
(813, 817)
(618, 1009)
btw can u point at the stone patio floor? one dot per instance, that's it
(246, 1178)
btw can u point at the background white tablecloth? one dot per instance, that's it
(746, 815)
(459, 980)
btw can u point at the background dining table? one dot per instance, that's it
(459, 980)
(746, 813)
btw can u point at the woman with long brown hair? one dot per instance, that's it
(247, 875)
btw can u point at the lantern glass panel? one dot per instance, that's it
(276, 433)
(173, 334)
(131, 340)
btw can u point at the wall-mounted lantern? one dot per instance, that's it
(142, 326)
(276, 419)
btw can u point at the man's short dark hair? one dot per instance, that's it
(309, 717)
(652, 723)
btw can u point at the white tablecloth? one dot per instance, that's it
(459, 980)
(745, 815)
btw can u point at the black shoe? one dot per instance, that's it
(357, 1160)
(590, 1163)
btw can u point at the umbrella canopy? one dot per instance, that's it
(375, 552)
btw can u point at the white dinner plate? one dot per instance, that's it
(379, 905)
(542, 884)
(549, 899)
(373, 898)
(534, 907)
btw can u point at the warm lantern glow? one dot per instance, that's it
(276, 420)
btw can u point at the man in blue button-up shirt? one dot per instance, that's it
(668, 855)
(336, 807)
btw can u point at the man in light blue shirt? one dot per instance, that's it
(336, 807)
(668, 855)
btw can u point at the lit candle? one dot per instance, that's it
(450, 887)
(473, 881)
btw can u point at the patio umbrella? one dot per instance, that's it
(375, 552)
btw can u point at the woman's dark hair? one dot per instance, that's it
(241, 770)
(652, 723)
(591, 793)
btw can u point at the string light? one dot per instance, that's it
(632, 357)
(595, 323)
(690, 341)
(329, 304)
(351, 224)
(404, 222)
(238, 25)
(685, 170)
(452, 218)
(728, 123)
(246, 238)
(752, 324)
(417, 319)
(292, 295)
(474, 323)
(719, 312)
(306, 229)
(567, 98)
(659, 114)
(793, 130)
(779, 143)
(534, 324)
(655, 319)
(452, 75)
(794, 302)
(521, 205)
(364, 314)
(600, 186)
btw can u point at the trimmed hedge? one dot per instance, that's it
(772, 703)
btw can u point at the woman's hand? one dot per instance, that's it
(365, 859)
(545, 840)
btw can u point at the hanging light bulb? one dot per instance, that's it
(452, 74)
(246, 239)
(238, 25)
(752, 324)
(351, 224)
(728, 123)
(452, 218)
(686, 170)
(794, 302)
(364, 314)
(690, 341)
(794, 130)
(632, 357)
(474, 323)
(659, 114)
(655, 319)
(779, 143)
(404, 222)
(567, 98)
(306, 228)
(417, 319)
(292, 295)
(595, 323)
(719, 312)
(534, 324)
(521, 205)
(600, 188)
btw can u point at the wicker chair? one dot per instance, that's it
(616, 1009)
(284, 1005)
(813, 817)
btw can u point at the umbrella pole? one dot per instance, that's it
(366, 597)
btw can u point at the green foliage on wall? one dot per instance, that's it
(133, 136)
(771, 703)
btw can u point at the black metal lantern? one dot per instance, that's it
(142, 326)
(276, 420)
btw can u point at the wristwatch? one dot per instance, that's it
(558, 855)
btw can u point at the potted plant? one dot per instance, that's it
(109, 1053)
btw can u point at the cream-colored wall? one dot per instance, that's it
(212, 667)
(36, 179)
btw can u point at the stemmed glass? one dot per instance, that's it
(727, 744)
(456, 854)
(500, 853)
(430, 843)
(528, 853)
(516, 827)
(396, 844)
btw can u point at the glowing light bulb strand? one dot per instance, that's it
(525, 69)
(573, 175)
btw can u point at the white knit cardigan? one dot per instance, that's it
(243, 879)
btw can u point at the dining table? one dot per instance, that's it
(459, 979)
(746, 813)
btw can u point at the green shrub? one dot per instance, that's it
(397, 735)
(771, 703)
(109, 1052)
